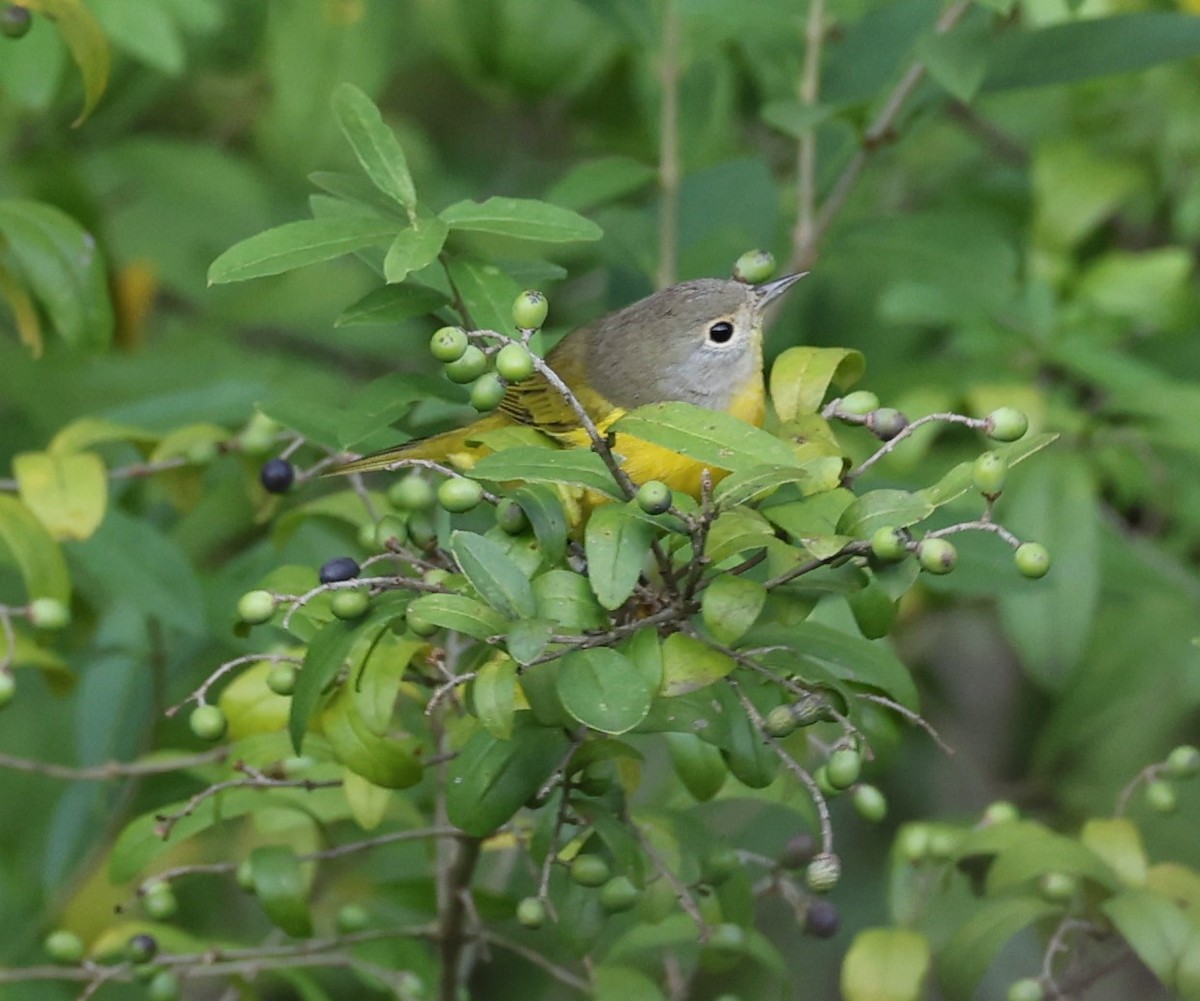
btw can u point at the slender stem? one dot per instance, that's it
(668, 148)
(112, 769)
(806, 156)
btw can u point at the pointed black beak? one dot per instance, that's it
(769, 291)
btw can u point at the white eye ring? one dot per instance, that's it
(721, 332)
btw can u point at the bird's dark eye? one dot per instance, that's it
(720, 333)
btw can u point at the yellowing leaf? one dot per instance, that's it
(885, 964)
(67, 493)
(89, 48)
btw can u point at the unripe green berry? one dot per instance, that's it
(281, 679)
(514, 362)
(530, 310)
(726, 937)
(619, 894)
(469, 367)
(420, 625)
(1183, 762)
(844, 767)
(1006, 424)
(590, 870)
(654, 497)
(350, 604)
(510, 517)
(202, 453)
(487, 392)
(1032, 560)
(208, 722)
(459, 494)
(159, 901)
(719, 864)
(8, 689)
(859, 403)
(531, 913)
(1026, 989)
(943, 844)
(885, 423)
(828, 789)
(164, 986)
(64, 946)
(421, 529)
(256, 607)
(889, 544)
(913, 843)
(244, 876)
(780, 722)
(436, 575)
(15, 21)
(869, 803)
(1058, 887)
(937, 556)
(1000, 812)
(295, 765)
(412, 492)
(391, 531)
(448, 344)
(989, 472)
(754, 267)
(1161, 796)
(49, 613)
(823, 873)
(141, 948)
(353, 918)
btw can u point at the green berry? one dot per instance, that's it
(780, 722)
(619, 894)
(281, 679)
(989, 472)
(510, 517)
(1026, 989)
(141, 948)
(208, 722)
(859, 403)
(943, 844)
(49, 613)
(459, 494)
(823, 873)
(726, 937)
(256, 607)
(8, 689)
(435, 576)
(1058, 887)
(487, 392)
(597, 778)
(1161, 796)
(530, 310)
(366, 536)
(719, 864)
(869, 803)
(514, 362)
(448, 344)
(244, 876)
(158, 901)
(531, 913)
(350, 604)
(844, 767)
(1000, 812)
(1032, 560)
(885, 423)
(1183, 762)
(295, 765)
(15, 21)
(202, 453)
(1005, 424)
(420, 625)
(936, 556)
(889, 544)
(754, 267)
(391, 531)
(353, 918)
(469, 367)
(654, 497)
(64, 946)
(798, 852)
(913, 843)
(590, 870)
(164, 986)
(421, 529)
(412, 492)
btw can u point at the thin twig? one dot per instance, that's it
(668, 148)
(806, 156)
(113, 769)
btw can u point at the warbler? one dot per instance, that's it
(698, 342)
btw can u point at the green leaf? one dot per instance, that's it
(414, 248)
(689, 664)
(494, 696)
(384, 761)
(616, 543)
(68, 493)
(885, 964)
(499, 581)
(708, 436)
(596, 182)
(1093, 47)
(460, 614)
(880, 508)
(298, 244)
(368, 803)
(486, 291)
(87, 42)
(602, 689)
(391, 304)
(281, 888)
(737, 530)
(623, 983)
(543, 507)
(520, 219)
(527, 639)
(958, 60)
(814, 476)
(566, 599)
(1042, 852)
(374, 144)
(795, 119)
(966, 957)
(801, 376)
(491, 779)
(572, 466)
(330, 650)
(1118, 842)
(1155, 928)
(729, 606)
(62, 267)
(699, 765)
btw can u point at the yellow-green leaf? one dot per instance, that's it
(801, 376)
(68, 493)
(885, 964)
(88, 45)
(689, 664)
(28, 546)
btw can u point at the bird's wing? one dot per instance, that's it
(536, 403)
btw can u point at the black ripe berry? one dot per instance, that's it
(822, 919)
(277, 476)
(337, 569)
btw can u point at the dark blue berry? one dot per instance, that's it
(338, 568)
(277, 476)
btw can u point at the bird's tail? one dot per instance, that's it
(451, 447)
